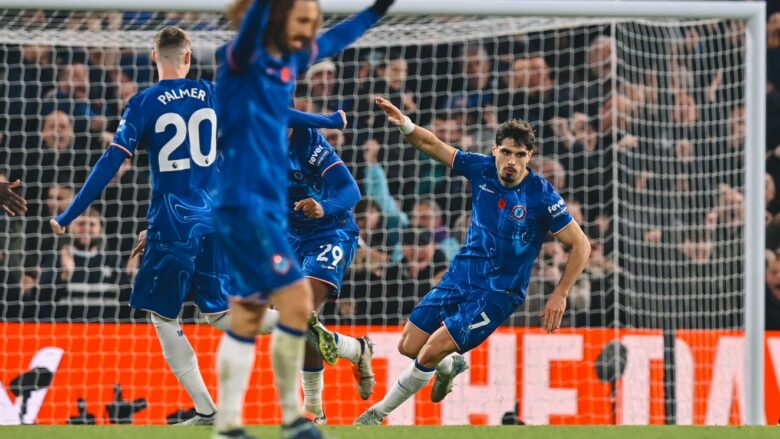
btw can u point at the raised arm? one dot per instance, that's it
(419, 137)
(239, 52)
(340, 36)
(123, 146)
(300, 119)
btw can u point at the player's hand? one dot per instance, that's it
(310, 207)
(553, 312)
(381, 6)
(11, 202)
(140, 246)
(394, 115)
(343, 118)
(56, 227)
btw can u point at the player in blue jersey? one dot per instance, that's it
(513, 210)
(323, 236)
(176, 122)
(275, 42)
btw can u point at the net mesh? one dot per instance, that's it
(639, 126)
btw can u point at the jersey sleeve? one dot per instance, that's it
(555, 211)
(323, 156)
(469, 164)
(338, 38)
(130, 129)
(239, 52)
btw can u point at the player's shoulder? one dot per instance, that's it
(319, 150)
(473, 161)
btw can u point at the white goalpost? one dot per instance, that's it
(650, 119)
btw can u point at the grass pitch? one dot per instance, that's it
(384, 432)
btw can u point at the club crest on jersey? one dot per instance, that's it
(281, 264)
(519, 212)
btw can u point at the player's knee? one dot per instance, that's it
(406, 348)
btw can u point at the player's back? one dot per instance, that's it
(176, 122)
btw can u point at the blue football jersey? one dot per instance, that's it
(176, 122)
(311, 157)
(508, 228)
(254, 89)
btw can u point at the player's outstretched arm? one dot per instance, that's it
(340, 36)
(11, 202)
(573, 237)
(239, 52)
(419, 137)
(301, 120)
(101, 174)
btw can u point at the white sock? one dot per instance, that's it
(183, 362)
(445, 365)
(235, 359)
(414, 378)
(267, 323)
(312, 384)
(348, 347)
(287, 346)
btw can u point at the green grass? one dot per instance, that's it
(465, 432)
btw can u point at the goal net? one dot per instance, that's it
(640, 126)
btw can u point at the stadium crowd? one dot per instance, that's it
(647, 153)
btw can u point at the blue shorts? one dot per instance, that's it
(256, 245)
(326, 257)
(469, 315)
(170, 270)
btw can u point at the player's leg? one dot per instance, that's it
(235, 360)
(294, 303)
(414, 378)
(423, 327)
(160, 289)
(321, 339)
(249, 241)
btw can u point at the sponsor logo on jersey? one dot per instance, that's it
(557, 209)
(519, 212)
(318, 155)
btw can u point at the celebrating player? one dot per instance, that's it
(513, 210)
(323, 235)
(275, 42)
(175, 120)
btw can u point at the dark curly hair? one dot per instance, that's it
(518, 130)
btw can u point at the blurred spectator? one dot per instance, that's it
(320, 81)
(376, 187)
(772, 321)
(72, 97)
(533, 95)
(426, 215)
(83, 282)
(406, 282)
(472, 93)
